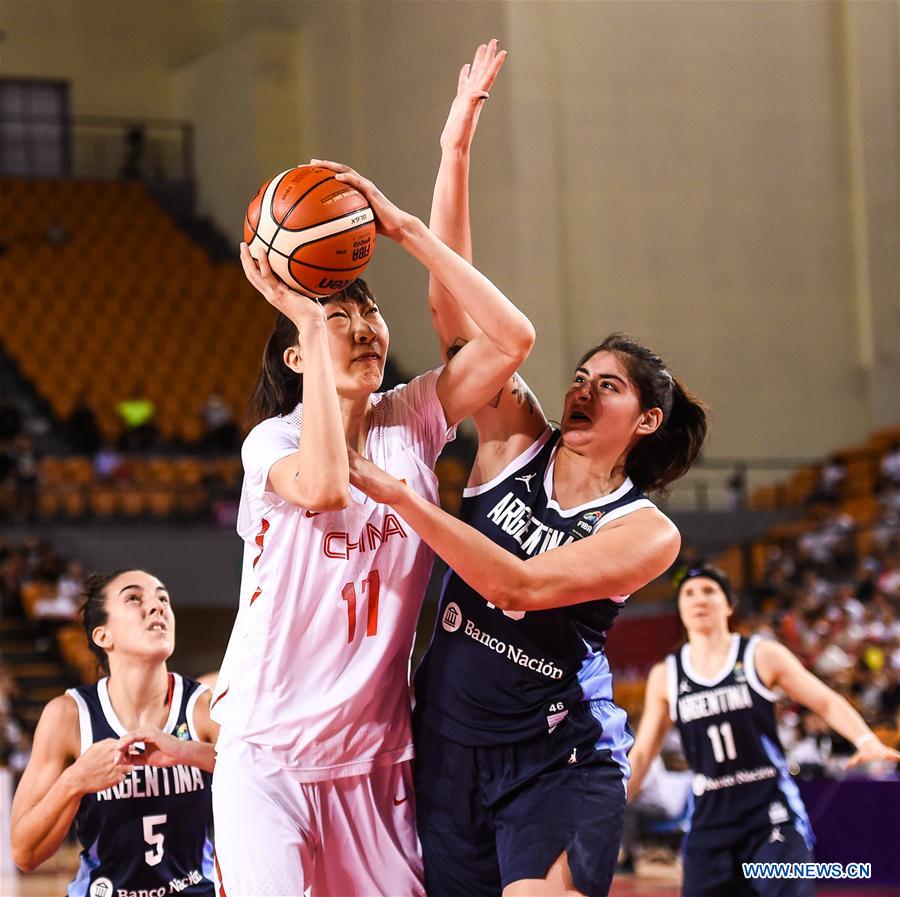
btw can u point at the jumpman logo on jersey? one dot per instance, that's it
(526, 479)
(684, 687)
(572, 757)
(776, 835)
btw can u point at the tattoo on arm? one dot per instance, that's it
(520, 392)
(523, 394)
(455, 346)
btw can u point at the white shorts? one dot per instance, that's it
(347, 837)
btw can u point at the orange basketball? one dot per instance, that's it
(317, 232)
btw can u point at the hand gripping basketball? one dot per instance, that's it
(295, 306)
(389, 219)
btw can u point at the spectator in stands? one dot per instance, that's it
(63, 605)
(81, 428)
(831, 481)
(828, 546)
(135, 150)
(137, 414)
(10, 418)
(812, 750)
(663, 797)
(889, 467)
(109, 465)
(736, 487)
(14, 742)
(889, 580)
(25, 477)
(221, 430)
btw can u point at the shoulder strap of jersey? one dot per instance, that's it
(593, 518)
(192, 691)
(753, 680)
(86, 730)
(672, 685)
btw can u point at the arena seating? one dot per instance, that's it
(103, 295)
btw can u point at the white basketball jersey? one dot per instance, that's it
(317, 667)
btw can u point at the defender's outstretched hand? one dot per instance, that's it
(475, 81)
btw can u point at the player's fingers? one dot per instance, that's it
(479, 56)
(265, 269)
(493, 70)
(327, 163)
(364, 185)
(463, 78)
(249, 264)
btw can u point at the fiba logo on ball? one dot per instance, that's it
(452, 618)
(101, 887)
(699, 785)
(317, 232)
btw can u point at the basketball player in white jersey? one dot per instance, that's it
(313, 786)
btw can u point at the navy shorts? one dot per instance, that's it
(717, 871)
(490, 816)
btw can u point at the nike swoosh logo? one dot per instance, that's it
(402, 800)
(313, 513)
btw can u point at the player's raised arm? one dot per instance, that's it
(316, 477)
(50, 791)
(779, 668)
(482, 366)
(450, 202)
(511, 418)
(655, 722)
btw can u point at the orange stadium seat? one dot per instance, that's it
(101, 307)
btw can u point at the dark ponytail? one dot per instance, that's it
(94, 613)
(278, 389)
(659, 459)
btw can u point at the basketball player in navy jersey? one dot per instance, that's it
(128, 759)
(520, 751)
(719, 691)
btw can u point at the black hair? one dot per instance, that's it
(278, 389)
(662, 457)
(94, 612)
(707, 571)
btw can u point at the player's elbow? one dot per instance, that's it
(521, 339)
(513, 592)
(22, 855)
(325, 500)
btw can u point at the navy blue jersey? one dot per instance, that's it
(149, 834)
(492, 676)
(727, 727)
